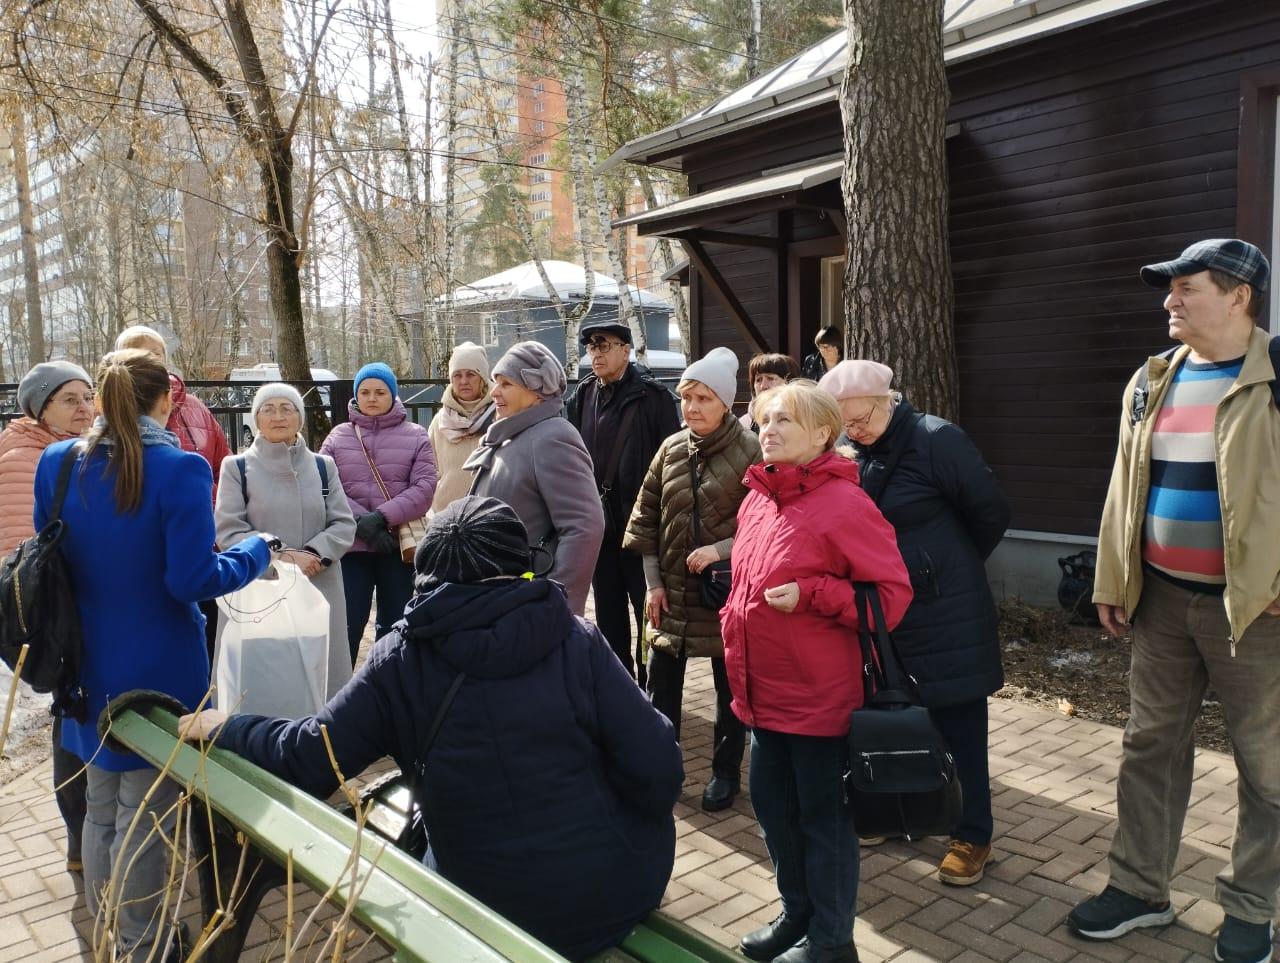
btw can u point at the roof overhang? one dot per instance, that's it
(972, 28)
(772, 191)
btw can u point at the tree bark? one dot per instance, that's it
(898, 298)
(30, 258)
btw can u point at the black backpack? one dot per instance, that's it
(38, 609)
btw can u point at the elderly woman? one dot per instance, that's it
(535, 461)
(949, 514)
(281, 486)
(139, 550)
(552, 778)
(698, 470)
(466, 411)
(56, 398)
(388, 471)
(765, 371)
(830, 344)
(806, 533)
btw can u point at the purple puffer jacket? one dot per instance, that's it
(402, 452)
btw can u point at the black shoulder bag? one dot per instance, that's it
(38, 609)
(901, 779)
(714, 581)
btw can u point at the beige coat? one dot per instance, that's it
(661, 525)
(1247, 443)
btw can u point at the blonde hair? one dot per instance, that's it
(809, 405)
(130, 383)
(139, 335)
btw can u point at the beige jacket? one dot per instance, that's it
(1247, 441)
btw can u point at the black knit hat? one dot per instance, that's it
(473, 539)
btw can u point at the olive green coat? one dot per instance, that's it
(660, 525)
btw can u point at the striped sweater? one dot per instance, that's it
(1182, 539)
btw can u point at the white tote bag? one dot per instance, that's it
(273, 652)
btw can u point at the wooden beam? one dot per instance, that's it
(728, 300)
(836, 216)
(737, 240)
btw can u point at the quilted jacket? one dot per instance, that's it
(196, 428)
(21, 445)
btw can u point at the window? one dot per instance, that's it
(832, 281)
(489, 328)
(541, 215)
(539, 88)
(538, 126)
(539, 107)
(537, 196)
(539, 159)
(541, 177)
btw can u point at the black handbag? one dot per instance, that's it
(714, 581)
(901, 778)
(38, 609)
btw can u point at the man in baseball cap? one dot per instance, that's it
(1188, 564)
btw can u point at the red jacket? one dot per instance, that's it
(800, 672)
(196, 428)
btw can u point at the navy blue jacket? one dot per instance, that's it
(949, 515)
(551, 783)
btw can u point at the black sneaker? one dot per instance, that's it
(1114, 912)
(1241, 942)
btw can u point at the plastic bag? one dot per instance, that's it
(273, 650)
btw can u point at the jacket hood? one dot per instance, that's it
(491, 631)
(783, 482)
(177, 390)
(389, 419)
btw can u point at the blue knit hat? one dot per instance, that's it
(381, 371)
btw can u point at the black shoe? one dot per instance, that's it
(806, 952)
(768, 941)
(1113, 913)
(719, 794)
(180, 948)
(1241, 942)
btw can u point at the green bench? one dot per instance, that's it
(255, 817)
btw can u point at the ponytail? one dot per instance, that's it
(130, 383)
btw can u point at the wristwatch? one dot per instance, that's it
(273, 542)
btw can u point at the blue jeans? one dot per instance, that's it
(798, 795)
(964, 727)
(363, 574)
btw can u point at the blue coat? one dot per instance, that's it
(551, 783)
(137, 578)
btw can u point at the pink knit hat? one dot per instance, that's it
(857, 379)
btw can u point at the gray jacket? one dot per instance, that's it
(285, 500)
(535, 461)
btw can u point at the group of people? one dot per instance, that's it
(699, 533)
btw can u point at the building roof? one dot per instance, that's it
(970, 28)
(523, 282)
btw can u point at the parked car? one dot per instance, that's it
(270, 371)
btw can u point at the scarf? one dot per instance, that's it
(150, 430)
(462, 419)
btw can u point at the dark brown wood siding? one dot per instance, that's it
(1080, 157)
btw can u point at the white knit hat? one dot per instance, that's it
(718, 370)
(469, 356)
(277, 389)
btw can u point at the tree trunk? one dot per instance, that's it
(666, 261)
(30, 259)
(753, 41)
(898, 298)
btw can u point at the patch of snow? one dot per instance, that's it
(30, 711)
(1071, 659)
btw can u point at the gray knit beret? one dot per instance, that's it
(35, 390)
(532, 364)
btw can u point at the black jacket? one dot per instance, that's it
(551, 782)
(949, 515)
(657, 418)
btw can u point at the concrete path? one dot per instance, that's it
(1054, 786)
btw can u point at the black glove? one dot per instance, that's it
(384, 543)
(369, 526)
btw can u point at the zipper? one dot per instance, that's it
(870, 770)
(17, 597)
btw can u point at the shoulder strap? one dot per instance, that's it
(64, 481)
(694, 520)
(615, 455)
(324, 476)
(1142, 388)
(243, 464)
(1273, 351)
(424, 750)
(377, 475)
(886, 670)
(891, 465)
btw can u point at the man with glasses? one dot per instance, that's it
(623, 415)
(1188, 566)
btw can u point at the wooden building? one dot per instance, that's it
(1085, 138)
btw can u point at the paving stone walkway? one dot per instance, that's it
(1053, 780)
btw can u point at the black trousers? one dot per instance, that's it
(666, 688)
(964, 727)
(68, 789)
(617, 586)
(209, 609)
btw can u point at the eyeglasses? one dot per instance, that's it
(272, 411)
(854, 424)
(602, 346)
(72, 402)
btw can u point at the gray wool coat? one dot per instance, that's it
(535, 461)
(285, 500)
